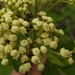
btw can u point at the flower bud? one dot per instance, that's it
(14, 29)
(35, 59)
(70, 61)
(41, 67)
(43, 49)
(36, 51)
(65, 53)
(13, 53)
(5, 62)
(24, 43)
(1, 48)
(53, 44)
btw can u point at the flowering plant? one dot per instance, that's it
(28, 35)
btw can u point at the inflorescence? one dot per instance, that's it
(25, 38)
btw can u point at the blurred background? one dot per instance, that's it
(64, 18)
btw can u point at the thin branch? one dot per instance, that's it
(58, 1)
(55, 52)
(36, 8)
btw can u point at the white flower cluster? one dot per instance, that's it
(21, 6)
(71, 2)
(65, 53)
(42, 2)
(26, 39)
(45, 30)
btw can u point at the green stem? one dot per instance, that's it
(39, 2)
(73, 51)
(48, 6)
(36, 3)
(36, 9)
(55, 52)
(32, 31)
(30, 11)
(58, 1)
(64, 1)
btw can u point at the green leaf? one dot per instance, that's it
(56, 16)
(16, 65)
(50, 70)
(61, 71)
(53, 59)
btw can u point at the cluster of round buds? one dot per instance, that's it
(71, 2)
(46, 32)
(65, 53)
(11, 29)
(24, 49)
(21, 6)
(42, 2)
(26, 39)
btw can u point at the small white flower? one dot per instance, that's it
(24, 43)
(17, 56)
(12, 37)
(35, 27)
(7, 34)
(14, 29)
(2, 40)
(1, 28)
(20, 20)
(15, 23)
(35, 20)
(5, 62)
(7, 15)
(39, 41)
(27, 66)
(41, 67)
(21, 69)
(49, 20)
(8, 19)
(13, 44)
(1, 48)
(41, 13)
(39, 23)
(29, 40)
(13, 53)
(24, 58)
(19, 2)
(61, 32)
(51, 25)
(65, 53)
(8, 48)
(53, 44)
(20, 9)
(43, 49)
(17, 5)
(5, 26)
(22, 50)
(70, 61)
(3, 55)
(36, 51)
(9, 3)
(47, 41)
(55, 39)
(25, 23)
(10, 13)
(45, 27)
(24, 9)
(44, 35)
(22, 30)
(35, 59)
(44, 18)
(14, 1)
